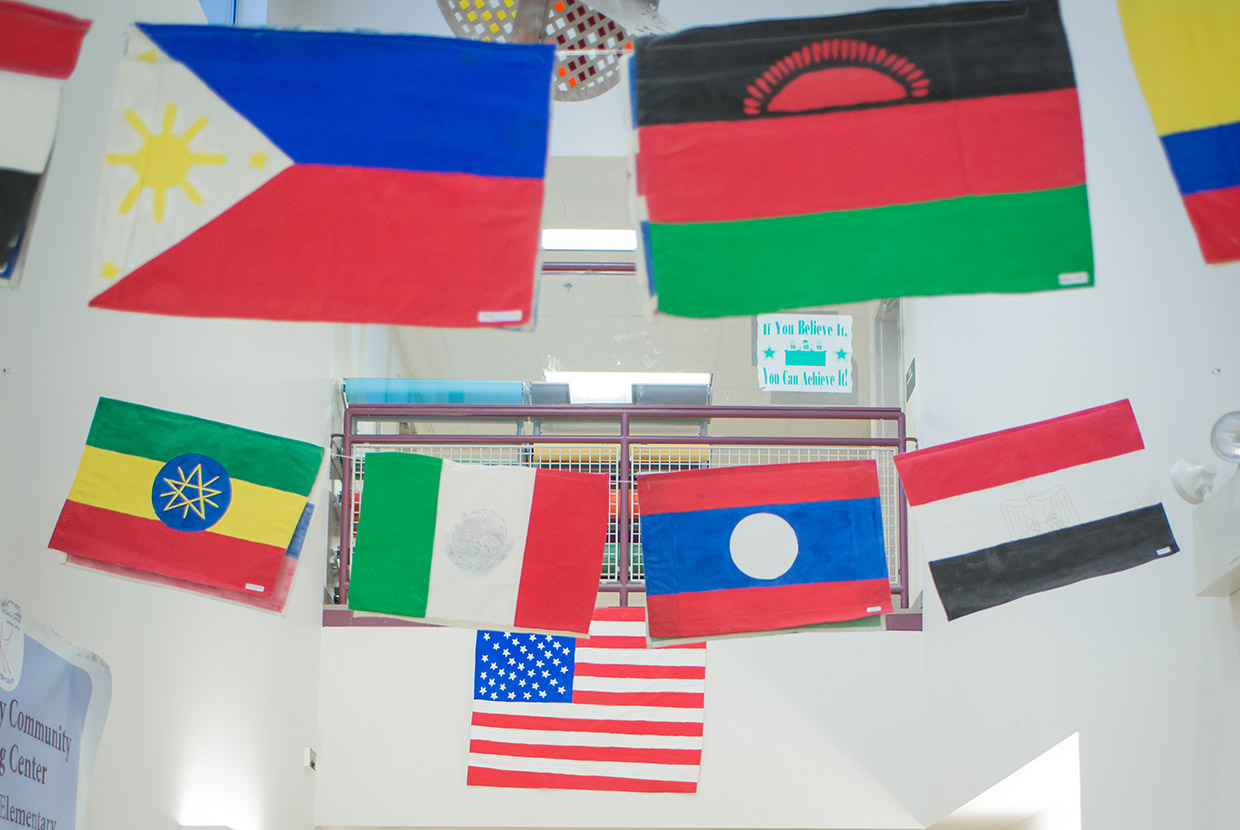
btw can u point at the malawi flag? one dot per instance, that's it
(1037, 507)
(479, 545)
(762, 548)
(1187, 57)
(900, 152)
(38, 51)
(182, 497)
(324, 176)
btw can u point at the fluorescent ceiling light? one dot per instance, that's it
(588, 239)
(617, 387)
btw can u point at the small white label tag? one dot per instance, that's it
(873, 608)
(1074, 278)
(510, 316)
(1163, 551)
(250, 586)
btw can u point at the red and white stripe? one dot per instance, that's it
(635, 722)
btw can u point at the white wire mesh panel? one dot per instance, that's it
(666, 459)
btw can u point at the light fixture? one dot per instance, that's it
(1216, 520)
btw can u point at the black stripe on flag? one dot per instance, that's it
(16, 197)
(992, 576)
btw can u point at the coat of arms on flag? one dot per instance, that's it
(601, 713)
(188, 499)
(337, 176)
(1035, 507)
(899, 152)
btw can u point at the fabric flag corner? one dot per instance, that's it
(476, 545)
(605, 713)
(764, 548)
(900, 152)
(38, 52)
(187, 499)
(1187, 57)
(1036, 507)
(332, 176)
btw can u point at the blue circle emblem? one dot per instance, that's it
(191, 492)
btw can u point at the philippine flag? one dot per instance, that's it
(331, 176)
(746, 549)
(1035, 507)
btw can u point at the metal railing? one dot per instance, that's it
(622, 456)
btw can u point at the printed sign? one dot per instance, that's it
(53, 701)
(805, 352)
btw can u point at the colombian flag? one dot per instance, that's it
(332, 176)
(1187, 57)
(762, 548)
(901, 152)
(182, 497)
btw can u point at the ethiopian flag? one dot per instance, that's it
(1187, 57)
(479, 545)
(186, 498)
(901, 152)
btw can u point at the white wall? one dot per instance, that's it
(212, 703)
(1146, 672)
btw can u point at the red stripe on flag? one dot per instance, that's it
(737, 610)
(631, 613)
(1019, 453)
(657, 672)
(38, 41)
(758, 485)
(602, 641)
(149, 545)
(1215, 215)
(615, 727)
(862, 158)
(483, 777)
(563, 551)
(636, 755)
(365, 246)
(672, 700)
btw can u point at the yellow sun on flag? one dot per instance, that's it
(163, 162)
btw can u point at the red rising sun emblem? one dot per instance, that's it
(838, 72)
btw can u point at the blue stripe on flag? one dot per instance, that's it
(1206, 159)
(838, 541)
(405, 102)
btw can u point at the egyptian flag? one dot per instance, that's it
(1187, 57)
(38, 51)
(331, 176)
(900, 152)
(1037, 507)
(762, 548)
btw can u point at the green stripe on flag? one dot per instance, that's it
(391, 567)
(132, 429)
(1005, 243)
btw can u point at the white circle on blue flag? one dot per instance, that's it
(763, 545)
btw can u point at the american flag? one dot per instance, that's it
(604, 713)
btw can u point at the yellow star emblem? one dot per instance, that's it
(109, 271)
(258, 160)
(149, 56)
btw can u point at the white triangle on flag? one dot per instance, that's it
(178, 156)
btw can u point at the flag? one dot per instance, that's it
(479, 545)
(604, 713)
(186, 498)
(1036, 507)
(762, 548)
(273, 601)
(331, 176)
(38, 51)
(1187, 57)
(791, 163)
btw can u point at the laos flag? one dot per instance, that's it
(763, 548)
(331, 176)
